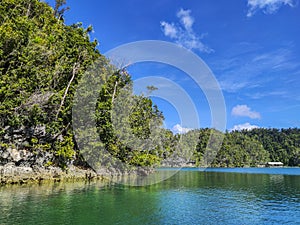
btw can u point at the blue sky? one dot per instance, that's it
(251, 46)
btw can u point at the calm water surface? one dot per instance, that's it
(191, 196)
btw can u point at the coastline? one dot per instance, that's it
(10, 174)
(14, 175)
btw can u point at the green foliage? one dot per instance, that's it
(210, 140)
(282, 145)
(65, 150)
(252, 148)
(41, 62)
(239, 151)
(39, 56)
(34, 140)
(4, 145)
(128, 125)
(143, 159)
(49, 163)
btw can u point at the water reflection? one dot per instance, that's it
(189, 197)
(232, 198)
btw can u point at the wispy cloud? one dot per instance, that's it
(245, 111)
(183, 34)
(245, 126)
(259, 95)
(178, 129)
(254, 68)
(267, 6)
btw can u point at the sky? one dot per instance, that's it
(252, 48)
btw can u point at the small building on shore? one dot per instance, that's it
(274, 164)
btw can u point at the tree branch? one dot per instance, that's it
(76, 66)
(114, 93)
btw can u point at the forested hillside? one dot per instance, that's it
(41, 62)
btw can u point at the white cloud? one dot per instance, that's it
(245, 126)
(169, 29)
(183, 34)
(179, 129)
(268, 6)
(185, 18)
(244, 110)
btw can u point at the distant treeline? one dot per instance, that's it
(250, 147)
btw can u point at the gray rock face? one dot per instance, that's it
(12, 174)
(23, 161)
(11, 170)
(16, 142)
(24, 157)
(23, 135)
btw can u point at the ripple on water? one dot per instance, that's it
(190, 197)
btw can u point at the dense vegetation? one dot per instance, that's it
(42, 61)
(252, 147)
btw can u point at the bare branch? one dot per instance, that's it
(76, 67)
(114, 93)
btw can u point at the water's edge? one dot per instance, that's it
(12, 175)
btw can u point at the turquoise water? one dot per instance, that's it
(191, 196)
(251, 170)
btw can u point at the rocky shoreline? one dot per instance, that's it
(12, 174)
